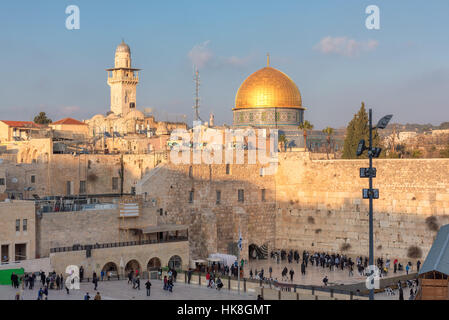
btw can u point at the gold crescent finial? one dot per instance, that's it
(268, 59)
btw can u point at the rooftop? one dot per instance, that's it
(69, 121)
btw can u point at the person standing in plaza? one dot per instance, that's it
(291, 274)
(303, 268)
(95, 281)
(401, 293)
(86, 296)
(97, 296)
(148, 287)
(40, 293)
(57, 282)
(418, 265)
(81, 273)
(270, 270)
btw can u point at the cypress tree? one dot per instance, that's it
(358, 128)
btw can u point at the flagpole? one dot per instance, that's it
(238, 259)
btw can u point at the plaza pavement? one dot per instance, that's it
(121, 290)
(314, 275)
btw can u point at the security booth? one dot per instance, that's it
(434, 274)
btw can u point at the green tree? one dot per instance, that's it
(284, 142)
(416, 153)
(445, 152)
(305, 126)
(329, 132)
(358, 128)
(41, 118)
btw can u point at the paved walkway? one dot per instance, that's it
(120, 290)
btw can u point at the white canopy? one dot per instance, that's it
(226, 259)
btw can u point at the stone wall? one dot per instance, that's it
(311, 204)
(320, 206)
(213, 227)
(64, 229)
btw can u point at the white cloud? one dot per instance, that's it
(345, 46)
(70, 110)
(237, 61)
(201, 55)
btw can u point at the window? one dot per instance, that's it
(18, 225)
(25, 225)
(191, 196)
(82, 186)
(33, 179)
(2, 181)
(263, 195)
(114, 183)
(241, 195)
(218, 197)
(228, 169)
(69, 187)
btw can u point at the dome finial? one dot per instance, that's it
(268, 59)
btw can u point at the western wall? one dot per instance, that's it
(309, 204)
(320, 207)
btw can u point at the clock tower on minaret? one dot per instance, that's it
(123, 81)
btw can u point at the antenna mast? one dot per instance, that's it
(196, 107)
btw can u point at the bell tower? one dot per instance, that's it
(123, 81)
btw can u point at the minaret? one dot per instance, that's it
(123, 81)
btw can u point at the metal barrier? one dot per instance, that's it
(116, 244)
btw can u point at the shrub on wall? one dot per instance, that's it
(432, 223)
(317, 231)
(414, 252)
(92, 177)
(310, 220)
(345, 246)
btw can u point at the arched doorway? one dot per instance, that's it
(132, 265)
(175, 262)
(110, 266)
(154, 264)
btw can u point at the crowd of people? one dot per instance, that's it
(330, 261)
(27, 282)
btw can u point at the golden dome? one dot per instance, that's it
(268, 88)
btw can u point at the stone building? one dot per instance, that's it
(17, 231)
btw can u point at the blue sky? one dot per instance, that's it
(403, 68)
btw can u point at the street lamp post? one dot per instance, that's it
(371, 235)
(370, 173)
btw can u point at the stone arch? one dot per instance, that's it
(175, 262)
(34, 156)
(154, 264)
(132, 265)
(110, 266)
